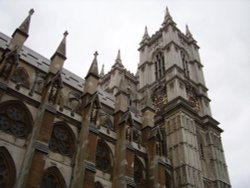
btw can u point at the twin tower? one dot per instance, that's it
(114, 130)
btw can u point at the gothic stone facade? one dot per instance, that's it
(113, 130)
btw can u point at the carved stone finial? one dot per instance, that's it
(96, 54)
(31, 11)
(65, 33)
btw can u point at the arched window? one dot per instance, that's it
(62, 139)
(139, 173)
(200, 144)
(168, 180)
(21, 77)
(185, 64)
(98, 185)
(159, 65)
(103, 157)
(15, 119)
(7, 169)
(52, 178)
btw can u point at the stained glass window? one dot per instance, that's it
(159, 65)
(62, 140)
(103, 157)
(138, 171)
(52, 178)
(7, 169)
(15, 119)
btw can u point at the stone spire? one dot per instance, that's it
(93, 70)
(22, 32)
(92, 77)
(168, 18)
(102, 71)
(24, 27)
(146, 35)
(61, 49)
(58, 58)
(118, 61)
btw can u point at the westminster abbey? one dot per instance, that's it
(152, 129)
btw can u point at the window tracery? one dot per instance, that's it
(185, 64)
(7, 169)
(103, 157)
(138, 171)
(15, 119)
(62, 140)
(52, 178)
(159, 65)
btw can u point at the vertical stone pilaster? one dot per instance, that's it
(183, 151)
(89, 179)
(42, 130)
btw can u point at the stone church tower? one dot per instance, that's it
(114, 130)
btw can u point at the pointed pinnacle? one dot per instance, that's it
(146, 33)
(118, 55)
(102, 71)
(94, 66)
(168, 17)
(24, 27)
(188, 33)
(61, 49)
(118, 61)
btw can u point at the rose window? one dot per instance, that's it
(62, 140)
(15, 120)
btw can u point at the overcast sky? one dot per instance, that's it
(221, 27)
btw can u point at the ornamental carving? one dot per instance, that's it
(9, 63)
(192, 97)
(159, 97)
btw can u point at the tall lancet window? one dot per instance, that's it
(159, 65)
(185, 64)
